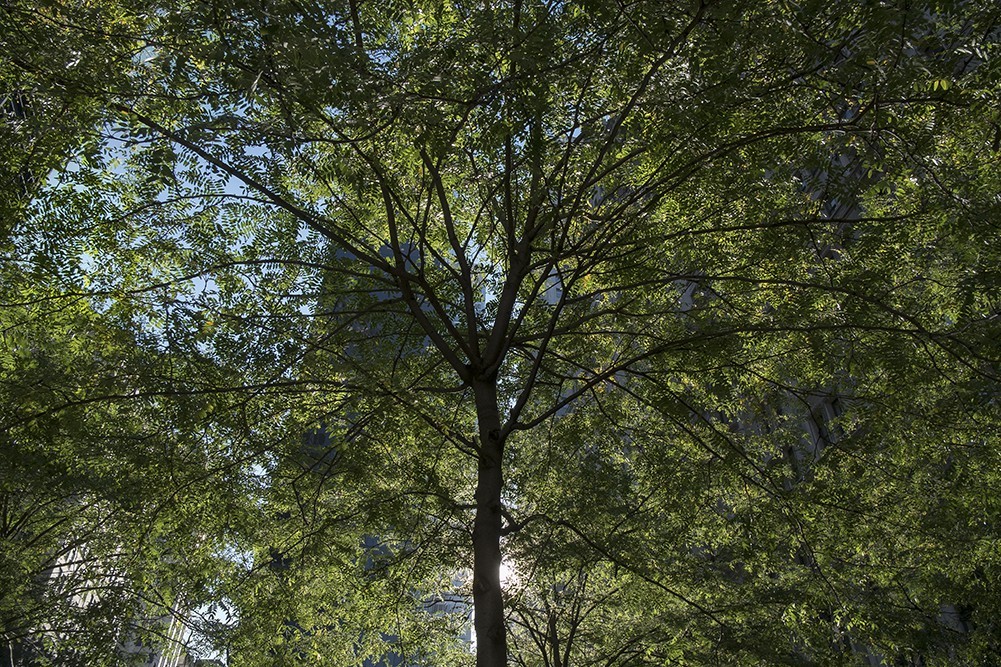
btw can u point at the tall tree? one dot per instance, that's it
(690, 308)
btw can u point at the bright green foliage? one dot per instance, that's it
(729, 268)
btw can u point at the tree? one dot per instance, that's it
(571, 281)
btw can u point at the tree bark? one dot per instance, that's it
(488, 600)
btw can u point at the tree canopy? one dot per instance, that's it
(632, 333)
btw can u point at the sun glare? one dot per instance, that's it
(508, 575)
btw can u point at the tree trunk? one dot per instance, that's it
(488, 601)
(554, 640)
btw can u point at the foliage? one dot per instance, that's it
(688, 309)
